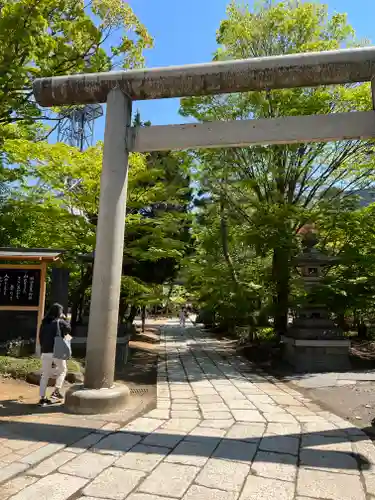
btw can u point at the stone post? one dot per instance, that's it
(99, 393)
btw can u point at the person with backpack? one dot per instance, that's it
(54, 353)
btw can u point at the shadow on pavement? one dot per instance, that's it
(201, 360)
(281, 449)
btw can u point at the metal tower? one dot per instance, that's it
(76, 125)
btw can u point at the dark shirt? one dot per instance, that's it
(48, 332)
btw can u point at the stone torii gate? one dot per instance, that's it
(118, 90)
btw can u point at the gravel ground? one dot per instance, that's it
(355, 403)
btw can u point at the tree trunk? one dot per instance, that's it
(143, 318)
(170, 291)
(280, 272)
(79, 294)
(362, 330)
(132, 315)
(341, 322)
(224, 243)
(122, 310)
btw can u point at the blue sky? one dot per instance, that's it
(184, 33)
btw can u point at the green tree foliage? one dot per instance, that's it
(224, 274)
(45, 210)
(41, 38)
(264, 194)
(349, 288)
(38, 207)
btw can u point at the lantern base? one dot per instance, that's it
(318, 355)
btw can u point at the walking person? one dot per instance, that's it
(53, 325)
(183, 316)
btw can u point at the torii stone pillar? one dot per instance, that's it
(99, 394)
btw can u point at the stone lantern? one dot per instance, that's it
(313, 342)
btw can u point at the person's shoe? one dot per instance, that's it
(57, 396)
(44, 402)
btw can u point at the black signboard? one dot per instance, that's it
(19, 287)
(18, 324)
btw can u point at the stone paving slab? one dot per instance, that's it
(143, 425)
(114, 483)
(219, 432)
(370, 484)
(11, 470)
(53, 487)
(230, 475)
(164, 438)
(192, 452)
(217, 424)
(275, 466)
(41, 453)
(170, 479)
(179, 424)
(328, 485)
(236, 451)
(196, 492)
(143, 458)
(15, 485)
(208, 432)
(85, 443)
(51, 464)
(280, 444)
(11, 458)
(245, 432)
(117, 444)
(88, 465)
(258, 488)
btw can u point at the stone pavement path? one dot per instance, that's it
(220, 432)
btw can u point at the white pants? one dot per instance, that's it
(48, 372)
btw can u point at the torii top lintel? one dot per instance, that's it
(276, 72)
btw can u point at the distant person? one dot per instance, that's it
(54, 324)
(143, 318)
(183, 316)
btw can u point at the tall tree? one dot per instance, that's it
(167, 173)
(45, 210)
(276, 189)
(49, 38)
(41, 38)
(349, 288)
